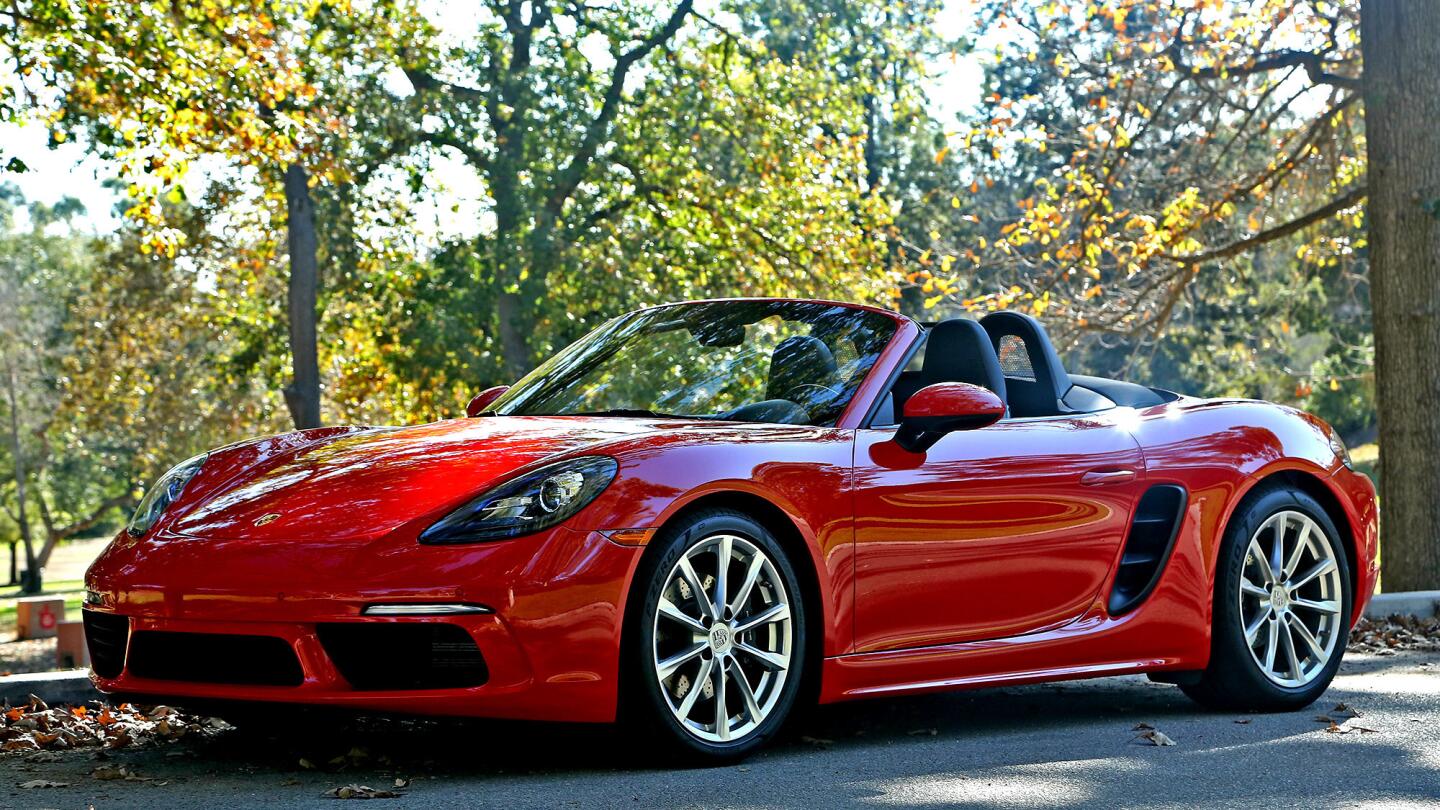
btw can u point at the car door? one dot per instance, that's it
(995, 532)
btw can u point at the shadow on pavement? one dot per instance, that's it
(1056, 745)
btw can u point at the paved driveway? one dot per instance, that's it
(1068, 745)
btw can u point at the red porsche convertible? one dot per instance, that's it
(701, 515)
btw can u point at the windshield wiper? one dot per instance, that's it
(641, 412)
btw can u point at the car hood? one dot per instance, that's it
(358, 486)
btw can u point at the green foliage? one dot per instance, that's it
(632, 153)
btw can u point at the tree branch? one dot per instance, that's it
(1330, 209)
(422, 80)
(95, 516)
(1314, 64)
(477, 158)
(571, 174)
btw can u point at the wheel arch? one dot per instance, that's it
(802, 557)
(1315, 487)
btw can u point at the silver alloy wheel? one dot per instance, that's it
(721, 652)
(1290, 599)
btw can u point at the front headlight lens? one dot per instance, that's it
(534, 501)
(165, 492)
(1338, 446)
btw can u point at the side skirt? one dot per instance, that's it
(1094, 646)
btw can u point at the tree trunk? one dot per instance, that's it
(511, 260)
(31, 582)
(303, 393)
(1401, 44)
(514, 347)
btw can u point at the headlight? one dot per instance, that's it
(1340, 450)
(165, 492)
(530, 503)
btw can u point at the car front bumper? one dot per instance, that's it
(550, 640)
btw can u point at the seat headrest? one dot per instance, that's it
(959, 350)
(798, 361)
(1049, 372)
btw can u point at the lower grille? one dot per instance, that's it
(376, 656)
(214, 658)
(105, 635)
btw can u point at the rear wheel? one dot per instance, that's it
(1282, 607)
(719, 638)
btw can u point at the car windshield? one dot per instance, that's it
(756, 361)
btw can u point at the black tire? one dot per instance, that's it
(1234, 680)
(644, 707)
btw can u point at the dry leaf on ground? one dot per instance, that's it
(359, 792)
(1154, 737)
(42, 783)
(1385, 636)
(35, 726)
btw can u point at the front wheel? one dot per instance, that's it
(719, 638)
(1282, 607)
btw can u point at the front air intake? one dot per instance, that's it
(106, 634)
(214, 658)
(391, 656)
(1148, 546)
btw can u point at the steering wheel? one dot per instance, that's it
(818, 385)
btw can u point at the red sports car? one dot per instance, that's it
(702, 514)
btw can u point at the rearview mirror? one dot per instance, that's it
(941, 408)
(483, 399)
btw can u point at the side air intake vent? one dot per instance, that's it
(1147, 549)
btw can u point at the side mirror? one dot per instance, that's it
(941, 408)
(483, 399)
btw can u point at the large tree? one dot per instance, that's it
(1193, 175)
(1402, 94)
(267, 88)
(534, 115)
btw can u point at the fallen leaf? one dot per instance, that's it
(1245, 721)
(108, 773)
(359, 792)
(817, 741)
(1336, 728)
(924, 732)
(401, 782)
(1155, 737)
(1143, 727)
(42, 783)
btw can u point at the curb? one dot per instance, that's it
(68, 686)
(1422, 604)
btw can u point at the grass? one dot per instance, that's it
(73, 590)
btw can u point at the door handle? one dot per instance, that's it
(1100, 478)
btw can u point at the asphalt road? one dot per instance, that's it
(1067, 745)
